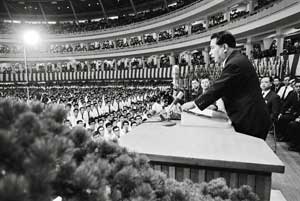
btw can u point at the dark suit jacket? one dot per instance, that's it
(291, 104)
(276, 89)
(273, 103)
(239, 88)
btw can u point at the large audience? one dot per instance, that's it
(112, 112)
(93, 25)
(150, 38)
(106, 112)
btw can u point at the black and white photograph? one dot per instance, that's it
(162, 100)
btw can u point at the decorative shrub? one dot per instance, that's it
(41, 159)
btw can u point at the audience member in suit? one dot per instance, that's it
(276, 84)
(285, 90)
(288, 101)
(239, 88)
(271, 98)
(196, 89)
(293, 128)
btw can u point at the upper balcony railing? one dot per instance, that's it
(277, 12)
(198, 8)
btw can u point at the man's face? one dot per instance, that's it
(92, 126)
(205, 83)
(68, 108)
(80, 124)
(126, 126)
(297, 87)
(265, 83)
(76, 112)
(117, 132)
(276, 82)
(216, 51)
(286, 81)
(195, 84)
(109, 128)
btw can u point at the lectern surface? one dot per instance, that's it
(202, 146)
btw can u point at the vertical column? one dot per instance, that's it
(249, 47)
(143, 39)
(157, 36)
(189, 58)
(189, 28)
(280, 40)
(143, 62)
(102, 66)
(130, 64)
(172, 32)
(250, 6)
(115, 64)
(206, 56)
(172, 59)
(267, 43)
(158, 61)
(227, 14)
(206, 22)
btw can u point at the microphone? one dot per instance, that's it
(177, 98)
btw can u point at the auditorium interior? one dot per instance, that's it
(102, 100)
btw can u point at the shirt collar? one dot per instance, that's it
(265, 93)
(225, 60)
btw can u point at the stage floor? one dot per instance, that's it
(289, 182)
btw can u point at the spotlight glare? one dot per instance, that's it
(31, 37)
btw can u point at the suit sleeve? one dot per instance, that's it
(229, 76)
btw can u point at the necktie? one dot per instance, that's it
(282, 98)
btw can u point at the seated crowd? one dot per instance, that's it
(213, 21)
(108, 113)
(93, 25)
(283, 101)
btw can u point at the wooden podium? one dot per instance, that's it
(207, 150)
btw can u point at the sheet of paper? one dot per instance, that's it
(205, 112)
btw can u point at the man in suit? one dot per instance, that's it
(293, 128)
(271, 98)
(277, 84)
(289, 104)
(238, 86)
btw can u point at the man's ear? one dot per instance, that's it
(225, 46)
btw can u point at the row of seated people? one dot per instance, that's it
(108, 113)
(283, 103)
(87, 66)
(89, 25)
(263, 3)
(102, 45)
(234, 14)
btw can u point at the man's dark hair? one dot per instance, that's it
(276, 77)
(270, 78)
(224, 37)
(125, 122)
(107, 124)
(116, 128)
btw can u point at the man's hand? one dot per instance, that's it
(188, 106)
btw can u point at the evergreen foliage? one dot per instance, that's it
(41, 159)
